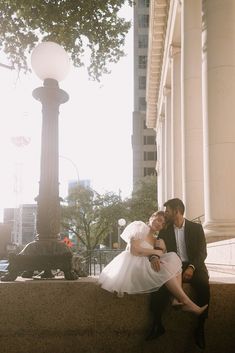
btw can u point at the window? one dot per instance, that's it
(150, 156)
(149, 171)
(143, 41)
(142, 104)
(143, 21)
(142, 61)
(149, 140)
(142, 82)
(143, 3)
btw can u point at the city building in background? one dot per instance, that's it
(86, 183)
(5, 239)
(22, 222)
(71, 185)
(143, 138)
(9, 218)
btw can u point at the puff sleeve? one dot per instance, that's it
(136, 230)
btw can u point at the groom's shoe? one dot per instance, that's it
(199, 336)
(156, 331)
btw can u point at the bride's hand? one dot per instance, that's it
(155, 263)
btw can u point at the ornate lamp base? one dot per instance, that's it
(42, 255)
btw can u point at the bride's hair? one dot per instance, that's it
(158, 213)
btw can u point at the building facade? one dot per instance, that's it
(22, 222)
(190, 102)
(143, 138)
(5, 239)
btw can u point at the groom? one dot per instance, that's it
(187, 239)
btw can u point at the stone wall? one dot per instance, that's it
(57, 316)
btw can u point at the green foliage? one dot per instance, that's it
(77, 25)
(144, 199)
(91, 216)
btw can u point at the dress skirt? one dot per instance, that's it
(131, 274)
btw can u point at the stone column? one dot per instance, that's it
(218, 117)
(176, 148)
(168, 143)
(191, 108)
(161, 160)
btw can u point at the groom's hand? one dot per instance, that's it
(188, 274)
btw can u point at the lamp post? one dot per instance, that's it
(121, 224)
(50, 63)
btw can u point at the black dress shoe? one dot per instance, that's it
(199, 336)
(155, 332)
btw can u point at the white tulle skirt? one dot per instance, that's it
(131, 274)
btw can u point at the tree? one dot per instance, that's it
(91, 216)
(144, 199)
(77, 25)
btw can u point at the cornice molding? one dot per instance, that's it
(159, 10)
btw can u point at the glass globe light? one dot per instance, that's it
(50, 60)
(122, 222)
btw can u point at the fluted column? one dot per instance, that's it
(191, 107)
(161, 160)
(48, 200)
(218, 116)
(176, 150)
(168, 143)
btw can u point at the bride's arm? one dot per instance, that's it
(137, 250)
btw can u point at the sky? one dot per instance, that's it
(95, 128)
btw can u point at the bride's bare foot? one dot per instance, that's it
(193, 308)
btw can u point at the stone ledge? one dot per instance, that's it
(57, 316)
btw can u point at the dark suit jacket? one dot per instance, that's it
(195, 243)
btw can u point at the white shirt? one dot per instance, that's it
(180, 242)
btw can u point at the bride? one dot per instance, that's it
(131, 272)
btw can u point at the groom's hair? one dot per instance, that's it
(175, 205)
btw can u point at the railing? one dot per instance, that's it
(198, 219)
(92, 262)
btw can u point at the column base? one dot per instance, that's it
(216, 231)
(41, 255)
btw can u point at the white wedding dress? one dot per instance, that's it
(131, 274)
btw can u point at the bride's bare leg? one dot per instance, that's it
(187, 304)
(179, 279)
(175, 302)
